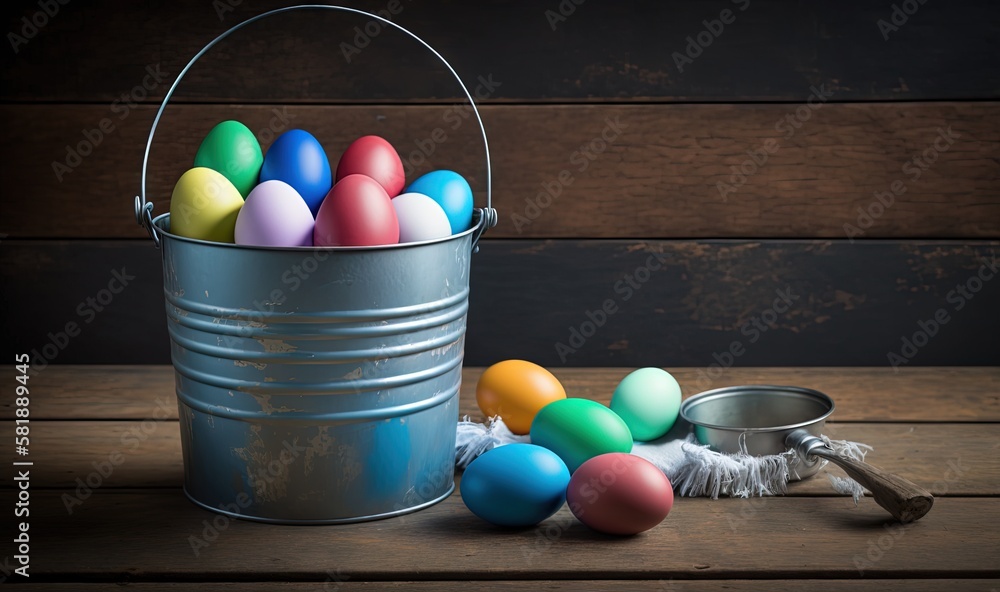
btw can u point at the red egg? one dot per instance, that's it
(356, 212)
(618, 493)
(375, 157)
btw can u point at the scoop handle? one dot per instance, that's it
(905, 500)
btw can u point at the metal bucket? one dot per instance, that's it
(316, 385)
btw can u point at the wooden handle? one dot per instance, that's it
(905, 500)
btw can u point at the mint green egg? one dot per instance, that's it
(577, 430)
(648, 401)
(232, 149)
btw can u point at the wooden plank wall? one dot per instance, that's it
(664, 171)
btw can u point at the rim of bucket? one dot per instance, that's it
(322, 521)
(160, 222)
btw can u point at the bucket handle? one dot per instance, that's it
(144, 209)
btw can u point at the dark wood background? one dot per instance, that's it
(652, 190)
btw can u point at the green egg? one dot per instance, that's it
(578, 430)
(232, 149)
(649, 401)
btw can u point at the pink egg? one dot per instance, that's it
(274, 215)
(357, 212)
(618, 493)
(420, 218)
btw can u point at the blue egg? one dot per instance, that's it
(515, 485)
(453, 194)
(297, 158)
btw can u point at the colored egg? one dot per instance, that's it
(578, 430)
(517, 390)
(274, 215)
(619, 494)
(649, 401)
(356, 213)
(232, 149)
(297, 158)
(375, 157)
(204, 205)
(452, 192)
(515, 485)
(420, 218)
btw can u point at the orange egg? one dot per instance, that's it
(516, 390)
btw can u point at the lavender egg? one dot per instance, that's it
(274, 215)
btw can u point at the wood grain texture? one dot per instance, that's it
(147, 453)
(329, 583)
(849, 304)
(862, 394)
(601, 51)
(659, 174)
(855, 303)
(98, 392)
(704, 539)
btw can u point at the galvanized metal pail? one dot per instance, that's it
(316, 385)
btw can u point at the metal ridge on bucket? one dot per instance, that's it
(346, 418)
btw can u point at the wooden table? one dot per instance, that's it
(936, 426)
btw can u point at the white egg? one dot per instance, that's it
(420, 218)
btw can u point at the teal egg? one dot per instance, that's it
(580, 429)
(649, 401)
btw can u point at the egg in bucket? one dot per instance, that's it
(315, 384)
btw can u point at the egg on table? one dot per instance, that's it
(649, 401)
(580, 429)
(517, 390)
(515, 485)
(619, 494)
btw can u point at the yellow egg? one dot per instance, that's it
(516, 390)
(204, 205)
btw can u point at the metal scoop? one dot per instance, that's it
(764, 419)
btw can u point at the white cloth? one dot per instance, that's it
(693, 469)
(474, 439)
